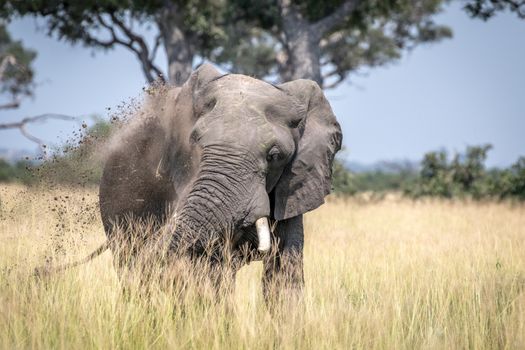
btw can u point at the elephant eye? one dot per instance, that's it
(208, 106)
(274, 154)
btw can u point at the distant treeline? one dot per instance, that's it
(438, 174)
(463, 175)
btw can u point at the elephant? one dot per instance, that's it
(221, 158)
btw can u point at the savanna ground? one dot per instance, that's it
(390, 274)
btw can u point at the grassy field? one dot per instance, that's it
(392, 274)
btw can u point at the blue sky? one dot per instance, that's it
(465, 91)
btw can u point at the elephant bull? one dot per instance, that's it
(221, 156)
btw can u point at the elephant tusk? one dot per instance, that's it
(263, 234)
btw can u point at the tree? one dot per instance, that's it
(434, 178)
(466, 175)
(327, 40)
(469, 169)
(183, 28)
(486, 9)
(517, 183)
(284, 39)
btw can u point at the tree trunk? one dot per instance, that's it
(177, 43)
(302, 44)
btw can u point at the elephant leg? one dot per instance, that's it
(221, 277)
(214, 267)
(283, 276)
(124, 262)
(133, 259)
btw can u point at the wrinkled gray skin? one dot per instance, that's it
(225, 151)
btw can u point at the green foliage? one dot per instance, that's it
(507, 182)
(391, 177)
(246, 36)
(384, 181)
(516, 184)
(16, 75)
(466, 176)
(18, 172)
(434, 175)
(82, 21)
(342, 179)
(374, 35)
(486, 9)
(468, 170)
(377, 34)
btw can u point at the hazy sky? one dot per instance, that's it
(465, 91)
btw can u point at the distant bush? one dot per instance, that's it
(385, 180)
(386, 177)
(466, 176)
(18, 172)
(507, 182)
(342, 179)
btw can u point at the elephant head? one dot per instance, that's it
(225, 152)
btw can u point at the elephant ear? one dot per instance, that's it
(202, 76)
(307, 178)
(184, 107)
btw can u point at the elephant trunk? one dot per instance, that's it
(219, 201)
(200, 223)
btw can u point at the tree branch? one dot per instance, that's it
(332, 39)
(15, 103)
(333, 84)
(133, 42)
(336, 18)
(21, 125)
(142, 52)
(331, 74)
(155, 47)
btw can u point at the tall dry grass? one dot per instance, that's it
(393, 274)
